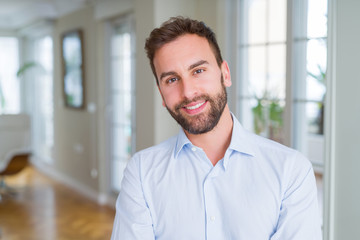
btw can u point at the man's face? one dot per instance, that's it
(191, 83)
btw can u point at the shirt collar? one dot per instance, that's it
(240, 140)
(182, 140)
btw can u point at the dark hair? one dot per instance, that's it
(174, 28)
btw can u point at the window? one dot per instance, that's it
(43, 107)
(309, 56)
(121, 89)
(265, 47)
(9, 83)
(262, 51)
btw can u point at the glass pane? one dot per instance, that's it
(317, 19)
(299, 70)
(9, 84)
(121, 74)
(121, 99)
(117, 71)
(256, 21)
(44, 54)
(316, 69)
(277, 21)
(257, 71)
(121, 45)
(122, 108)
(42, 94)
(309, 139)
(315, 117)
(116, 45)
(268, 118)
(122, 141)
(121, 69)
(246, 112)
(276, 71)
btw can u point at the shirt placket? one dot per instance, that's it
(212, 212)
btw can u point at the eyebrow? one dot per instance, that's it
(165, 74)
(192, 66)
(198, 63)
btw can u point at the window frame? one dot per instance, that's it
(38, 118)
(127, 19)
(294, 136)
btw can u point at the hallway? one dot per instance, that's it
(46, 210)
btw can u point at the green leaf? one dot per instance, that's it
(25, 67)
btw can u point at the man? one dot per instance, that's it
(214, 180)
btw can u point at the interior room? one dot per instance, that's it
(78, 99)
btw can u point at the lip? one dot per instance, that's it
(195, 107)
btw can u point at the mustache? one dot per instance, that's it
(187, 101)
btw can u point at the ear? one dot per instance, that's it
(225, 70)
(163, 102)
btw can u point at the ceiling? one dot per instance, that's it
(15, 14)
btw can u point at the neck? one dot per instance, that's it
(216, 141)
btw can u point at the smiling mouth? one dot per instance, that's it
(196, 106)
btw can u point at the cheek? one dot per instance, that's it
(212, 88)
(169, 98)
(211, 82)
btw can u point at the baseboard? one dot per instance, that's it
(100, 198)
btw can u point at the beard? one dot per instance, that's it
(203, 122)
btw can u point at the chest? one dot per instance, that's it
(191, 201)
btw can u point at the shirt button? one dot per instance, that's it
(212, 218)
(193, 149)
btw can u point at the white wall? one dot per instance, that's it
(346, 139)
(145, 94)
(75, 131)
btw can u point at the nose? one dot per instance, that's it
(189, 88)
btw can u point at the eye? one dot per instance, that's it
(197, 71)
(171, 80)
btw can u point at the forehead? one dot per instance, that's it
(183, 51)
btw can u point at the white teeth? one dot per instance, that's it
(195, 106)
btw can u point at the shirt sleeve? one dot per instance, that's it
(132, 220)
(299, 214)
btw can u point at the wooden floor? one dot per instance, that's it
(46, 210)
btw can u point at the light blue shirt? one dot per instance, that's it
(260, 190)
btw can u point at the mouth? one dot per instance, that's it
(195, 107)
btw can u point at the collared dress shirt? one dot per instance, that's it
(260, 190)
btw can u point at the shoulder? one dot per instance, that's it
(263, 150)
(286, 166)
(277, 150)
(277, 156)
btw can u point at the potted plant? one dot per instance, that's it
(268, 117)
